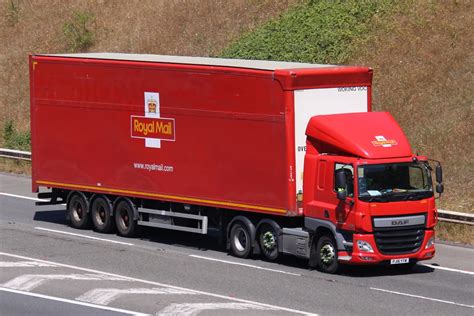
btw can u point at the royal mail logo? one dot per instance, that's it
(152, 104)
(155, 128)
(152, 127)
(382, 141)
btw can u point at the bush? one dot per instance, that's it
(15, 139)
(318, 31)
(77, 31)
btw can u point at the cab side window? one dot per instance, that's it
(349, 172)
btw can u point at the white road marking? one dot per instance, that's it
(423, 297)
(195, 308)
(64, 300)
(230, 298)
(245, 265)
(24, 264)
(27, 282)
(105, 296)
(447, 269)
(83, 236)
(22, 197)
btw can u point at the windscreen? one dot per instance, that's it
(394, 182)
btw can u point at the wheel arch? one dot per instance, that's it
(318, 227)
(270, 222)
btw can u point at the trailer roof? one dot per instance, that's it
(238, 63)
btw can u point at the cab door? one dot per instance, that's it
(324, 204)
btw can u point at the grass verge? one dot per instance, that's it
(15, 166)
(16, 139)
(457, 233)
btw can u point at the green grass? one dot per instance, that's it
(15, 139)
(315, 32)
(77, 31)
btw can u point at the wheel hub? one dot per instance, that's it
(78, 213)
(240, 240)
(269, 241)
(327, 253)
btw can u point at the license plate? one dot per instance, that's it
(399, 261)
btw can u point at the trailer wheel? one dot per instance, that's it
(126, 225)
(240, 240)
(326, 254)
(268, 241)
(77, 210)
(101, 213)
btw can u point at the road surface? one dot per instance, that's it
(47, 268)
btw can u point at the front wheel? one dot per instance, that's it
(326, 255)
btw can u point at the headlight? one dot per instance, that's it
(430, 243)
(364, 246)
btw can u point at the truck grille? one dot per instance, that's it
(399, 240)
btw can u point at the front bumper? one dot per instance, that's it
(376, 257)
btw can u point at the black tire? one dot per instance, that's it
(124, 213)
(268, 241)
(78, 212)
(101, 213)
(326, 255)
(240, 240)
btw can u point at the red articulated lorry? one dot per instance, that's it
(276, 157)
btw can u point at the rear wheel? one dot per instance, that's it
(77, 210)
(326, 255)
(240, 240)
(101, 213)
(268, 241)
(124, 213)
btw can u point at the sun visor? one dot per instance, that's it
(373, 135)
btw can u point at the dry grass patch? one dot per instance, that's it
(423, 57)
(463, 234)
(194, 27)
(15, 166)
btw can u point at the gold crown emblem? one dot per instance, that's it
(151, 105)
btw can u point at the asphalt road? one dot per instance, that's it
(48, 268)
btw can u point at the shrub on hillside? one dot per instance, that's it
(12, 12)
(77, 31)
(15, 139)
(317, 32)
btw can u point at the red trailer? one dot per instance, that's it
(195, 144)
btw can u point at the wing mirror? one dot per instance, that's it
(439, 188)
(341, 184)
(439, 173)
(439, 179)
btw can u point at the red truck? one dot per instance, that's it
(276, 157)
